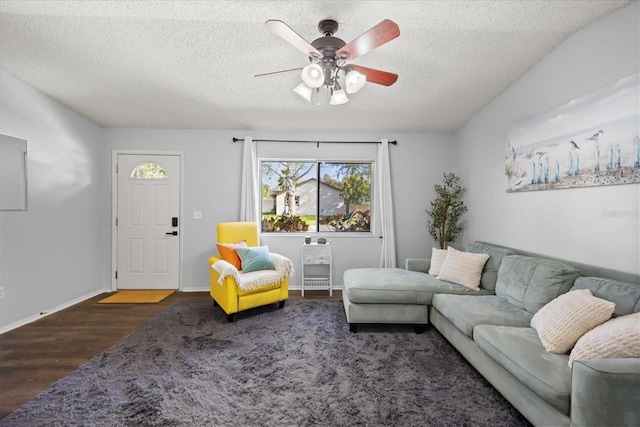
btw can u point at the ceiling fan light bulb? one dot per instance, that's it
(354, 81)
(313, 75)
(338, 97)
(304, 91)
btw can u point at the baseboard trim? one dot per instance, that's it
(49, 311)
(195, 289)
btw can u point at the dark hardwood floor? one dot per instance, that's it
(36, 355)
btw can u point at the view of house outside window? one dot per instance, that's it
(304, 196)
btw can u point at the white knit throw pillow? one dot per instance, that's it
(437, 259)
(565, 319)
(616, 338)
(463, 268)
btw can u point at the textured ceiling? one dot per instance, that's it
(191, 64)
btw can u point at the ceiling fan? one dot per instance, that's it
(330, 59)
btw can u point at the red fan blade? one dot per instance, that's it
(290, 36)
(382, 33)
(278, 72)
(376, 76)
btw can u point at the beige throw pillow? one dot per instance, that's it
(619, 337)
(562, 321)
(463, 268)
(437, 259)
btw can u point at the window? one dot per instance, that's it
(303, 196)
(148, 171)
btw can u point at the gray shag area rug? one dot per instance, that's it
(298, 366)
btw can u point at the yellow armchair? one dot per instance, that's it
(235, 291)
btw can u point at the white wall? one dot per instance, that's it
(568, 223)
(54, 252)
(212, 180)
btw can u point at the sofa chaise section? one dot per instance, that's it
(393, 295)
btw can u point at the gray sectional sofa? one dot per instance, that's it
(491, 329)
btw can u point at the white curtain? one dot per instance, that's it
(385, 203)
(250, 193)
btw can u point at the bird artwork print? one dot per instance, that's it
(596, 136)
(589, 141)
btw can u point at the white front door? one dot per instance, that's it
(148, 223)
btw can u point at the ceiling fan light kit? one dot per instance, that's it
(338, 96)
(354, 81)
(329, 57)
(313, 76)
(304, 91)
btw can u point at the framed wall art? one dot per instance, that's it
(589, 141)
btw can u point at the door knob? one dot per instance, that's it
(172, 233)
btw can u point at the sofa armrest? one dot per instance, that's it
(604, 392)
(415, 264)
(225, 294)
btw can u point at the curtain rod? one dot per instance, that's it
(316, 142)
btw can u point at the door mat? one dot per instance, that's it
(136, 297)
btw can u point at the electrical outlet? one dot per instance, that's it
(197, 214)
(1, 292)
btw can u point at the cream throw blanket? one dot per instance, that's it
(255, 279)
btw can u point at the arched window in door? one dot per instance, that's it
(148, 170)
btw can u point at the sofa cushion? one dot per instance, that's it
(255, 259)
(228, 252)
(521, 353)
(396, 286)
(530, 283)
(617, 338)
(490, 271)
(625, 295)
(437, 259)
(565, 319)
(467, 311)
(463, 268)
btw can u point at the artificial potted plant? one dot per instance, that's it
(444, 215)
